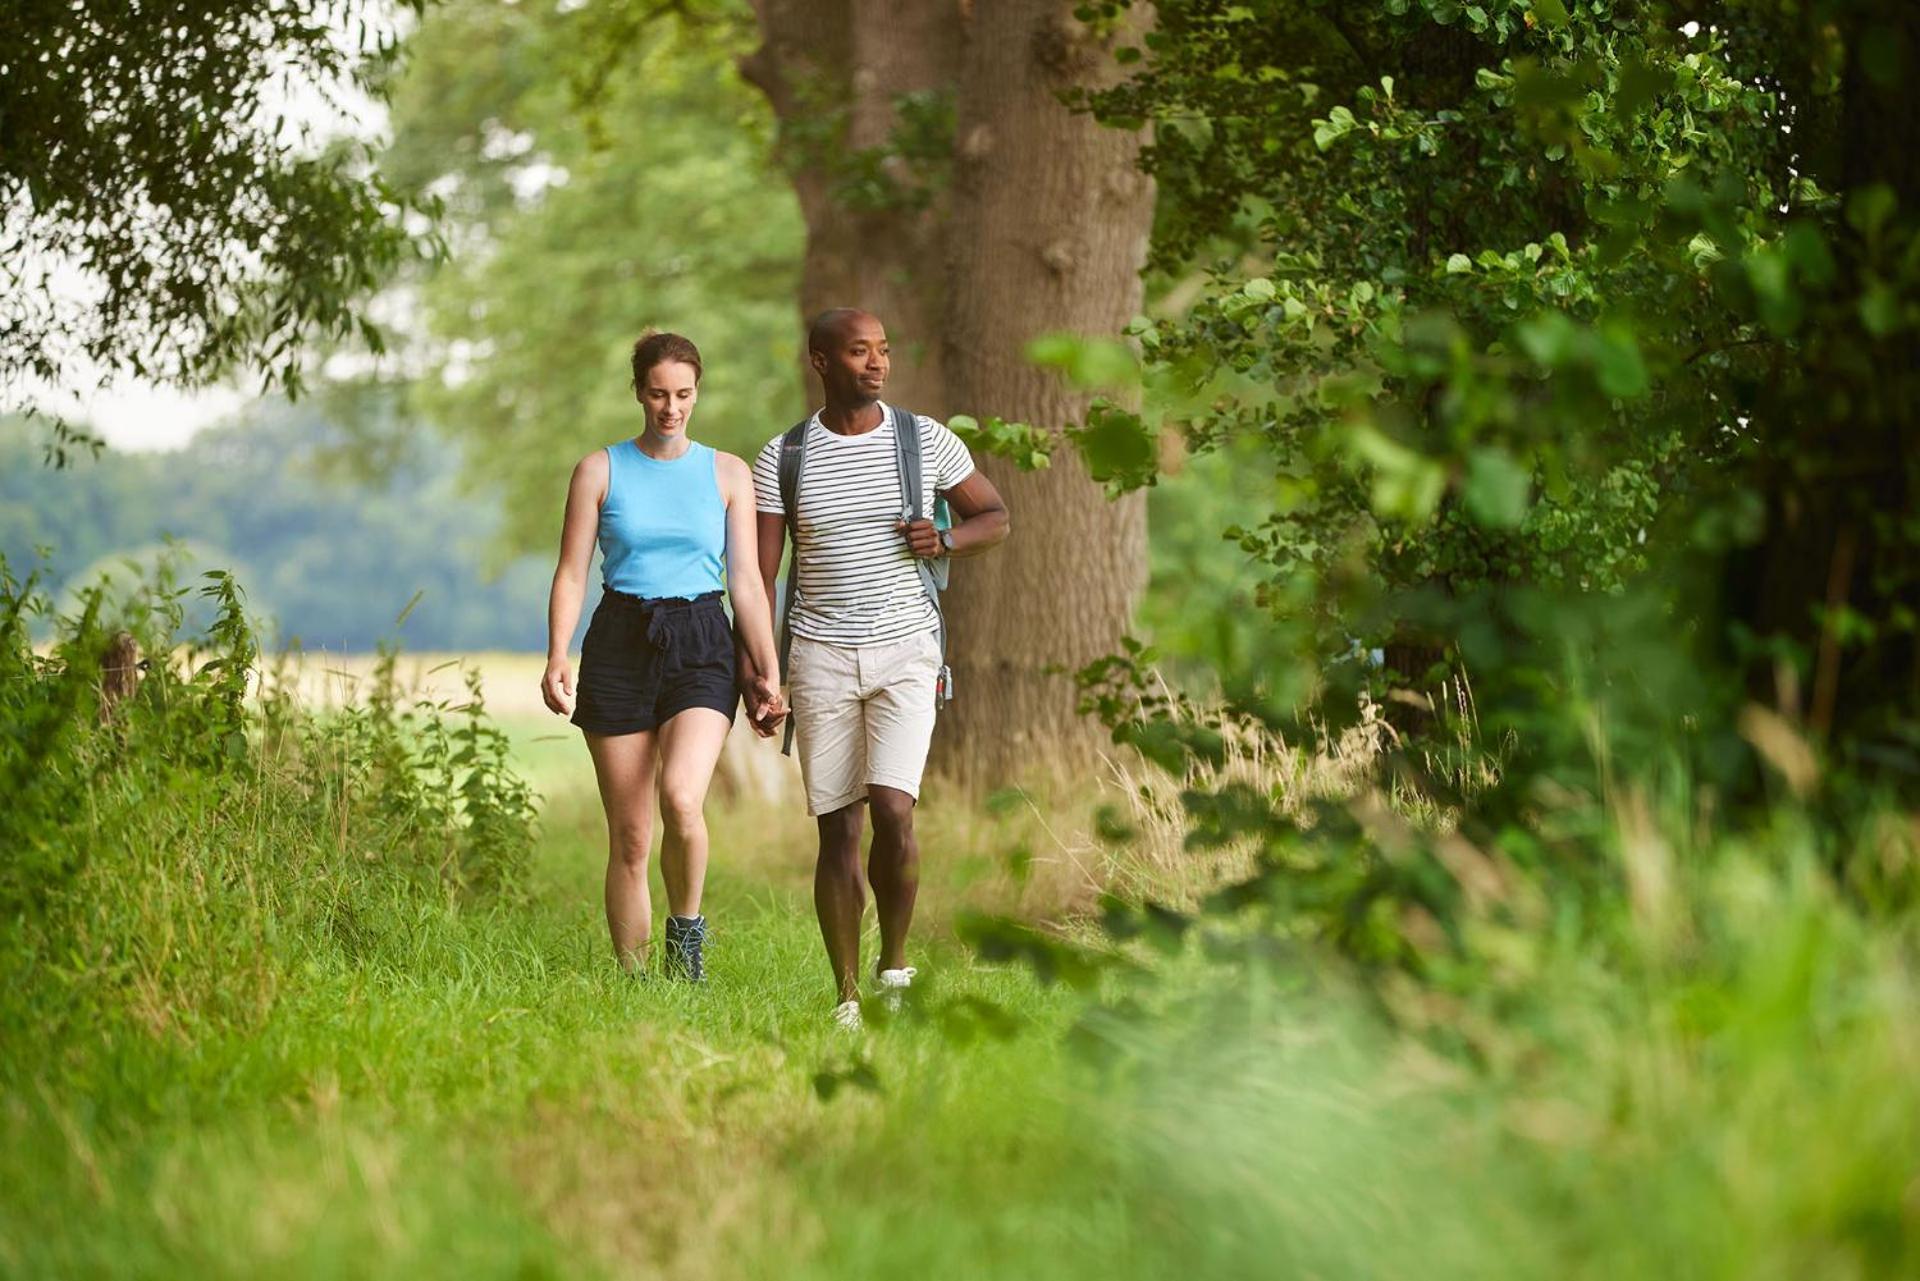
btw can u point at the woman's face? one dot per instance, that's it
(668, 396)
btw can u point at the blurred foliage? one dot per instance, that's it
(148, 158)
(332, 559)
(601, 174)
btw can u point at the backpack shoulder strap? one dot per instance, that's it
(793, 456)
(906, 451)
(793, 459)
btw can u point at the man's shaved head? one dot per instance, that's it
(827, 329)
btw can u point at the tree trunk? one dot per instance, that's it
(1045, 230)
(1051, 216)
(833, 70)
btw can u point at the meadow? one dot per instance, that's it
(267, 1019)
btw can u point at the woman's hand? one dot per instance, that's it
(765, 706)
(556, 687)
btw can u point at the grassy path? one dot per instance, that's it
(406, 1088)
(481, 1093)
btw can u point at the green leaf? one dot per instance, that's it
(1549, 337)
(1087, 362)
(1459, 264)
(1118, 447)
(1496, 488)
(1617, 364)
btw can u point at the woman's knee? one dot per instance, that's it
(631, 837)
(682, 806)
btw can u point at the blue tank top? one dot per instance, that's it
(663, 527)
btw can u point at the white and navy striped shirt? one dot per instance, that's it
(858, 582)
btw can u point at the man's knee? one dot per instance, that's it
(843, 826)
(892, 812)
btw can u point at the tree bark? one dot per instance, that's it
(1051, 216)
(1045, 231)
(833, 70)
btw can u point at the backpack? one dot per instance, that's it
(933, 573)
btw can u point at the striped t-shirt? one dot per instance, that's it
(858, 582)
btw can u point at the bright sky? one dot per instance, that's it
(136, 415)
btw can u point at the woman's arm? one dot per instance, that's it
(585, 492)
(752, 603)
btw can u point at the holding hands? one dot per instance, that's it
(766, 707)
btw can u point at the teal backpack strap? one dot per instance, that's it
(793, 458)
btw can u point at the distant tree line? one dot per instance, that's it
(327, 559)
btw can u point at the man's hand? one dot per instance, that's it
(923, 539)
(765, 707)
(556, 687)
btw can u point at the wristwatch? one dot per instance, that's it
(946, 542)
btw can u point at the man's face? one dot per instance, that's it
(856, 366)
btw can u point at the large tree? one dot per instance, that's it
(1018, 219)
(159, 214)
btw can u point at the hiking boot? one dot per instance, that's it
(686, 937)
(894, 984)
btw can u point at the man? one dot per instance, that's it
(866, 647)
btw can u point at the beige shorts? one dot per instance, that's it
(862, 716)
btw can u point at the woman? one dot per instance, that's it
(657, 669)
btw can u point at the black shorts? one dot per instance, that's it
(646, 661)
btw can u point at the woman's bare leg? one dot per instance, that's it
(690, 746)
(624, 764)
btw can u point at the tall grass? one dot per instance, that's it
(324, 1001)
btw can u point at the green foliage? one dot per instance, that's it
(150, 154)
(1520, 328)
(1029, 446)
(1520, 298)
(126, 789)
(597, 181)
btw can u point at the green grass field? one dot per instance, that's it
(306, 1079)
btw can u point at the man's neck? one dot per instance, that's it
(851, 418)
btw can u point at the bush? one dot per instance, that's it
(180, 837)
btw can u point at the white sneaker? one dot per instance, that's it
(847, 1015)
(893, 983)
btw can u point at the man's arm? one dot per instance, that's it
(772, 528)
(983, 522)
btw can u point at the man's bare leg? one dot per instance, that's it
(893, 865)
(839, 897)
